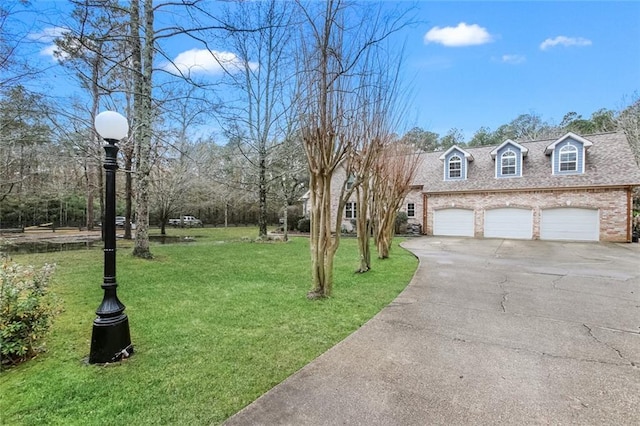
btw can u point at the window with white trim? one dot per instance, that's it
(508, 163)
(455, 167)
(411, 210)
(568, 159)
(350, 211)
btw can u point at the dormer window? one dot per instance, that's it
(455, 167)
(508, 158)
(568, 158)
(508, 163)
(455, 163)
(568, 154)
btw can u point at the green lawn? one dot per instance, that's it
(215, 323)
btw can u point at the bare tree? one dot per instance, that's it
(135, 77)
(629, 122)
(225, 183)
(378, 114)
(331, 55)
(142, 41)
(25, 137)
(394, 173)
(261, 77)
(89, 43)
(169, 183)
(288, 175)
(15, 67)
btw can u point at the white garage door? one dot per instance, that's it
(570, 224)
(508, 223)
(453, 222)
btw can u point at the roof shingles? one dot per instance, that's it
(609, 162)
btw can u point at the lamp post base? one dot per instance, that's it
(110, 340)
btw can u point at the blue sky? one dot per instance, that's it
(472, 64)
(500, 67)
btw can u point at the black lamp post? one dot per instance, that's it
(110, 340)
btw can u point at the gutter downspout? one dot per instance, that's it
(629, 213)
(424, 214)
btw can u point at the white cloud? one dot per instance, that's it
(564, 41)
(462, 35)
(513, 59)
(47, 36)
(52, 51)
(202, 61)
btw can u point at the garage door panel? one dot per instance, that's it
(453, 222)
(571, 224)
(508, 223)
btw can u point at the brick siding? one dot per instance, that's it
(612, 204)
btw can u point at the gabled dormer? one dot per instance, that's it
(508, 159)
(456, 163)
(568, 154)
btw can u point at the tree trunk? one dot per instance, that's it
(363, 226)
(100, 175)
(128, 195)
(90, 219)
(262, 195)
(89, 189)
(393, 177)
(323, 244)
(94, 165)
(143, 65)
(383, 234)
(285, 229)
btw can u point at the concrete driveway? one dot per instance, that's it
(488, 332)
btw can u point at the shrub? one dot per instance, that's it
(304, 225)
(26, 310)
(292, 222)
(401, 222)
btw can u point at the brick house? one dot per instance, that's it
(573, 188)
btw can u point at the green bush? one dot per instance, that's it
(292, 222)
(26, 310)
(401, 221)
(304, 225)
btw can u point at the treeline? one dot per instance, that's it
(48, 177)
(528, 127)
(172, 163)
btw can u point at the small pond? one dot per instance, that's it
(26, 247)
(47, 246)
(165, 239)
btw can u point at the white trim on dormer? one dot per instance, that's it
(523, 149)
(464, 163)
(585, 142)
(519, 152)
(464, 158)
(468, 156)
(579, 143)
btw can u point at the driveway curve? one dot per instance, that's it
(487, 332)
